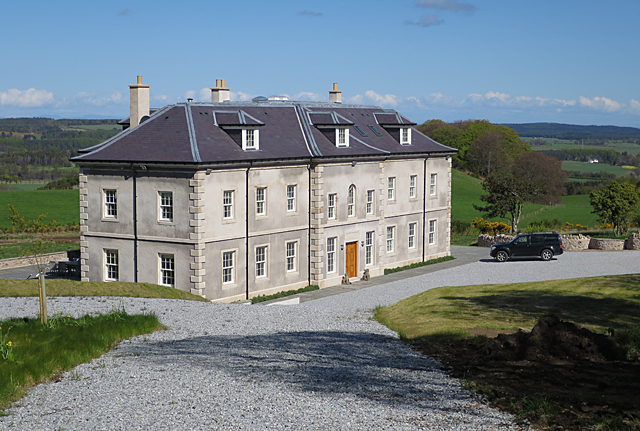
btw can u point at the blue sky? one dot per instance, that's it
(502, 60)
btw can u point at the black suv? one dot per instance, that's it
(543, 244)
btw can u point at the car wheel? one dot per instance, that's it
(546, 254)
(502, 256)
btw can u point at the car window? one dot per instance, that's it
(522, 240)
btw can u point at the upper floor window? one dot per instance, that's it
(331, 205)
(261, 201)
(110, 203)
(413, 180)
(391, 188)
(165, 212)
(342, 137)
(291, 198)
(250, 139)
(167, 270)
(432, 184)
(405, 136)
(227, 204)
(351, 201)
(370, 198)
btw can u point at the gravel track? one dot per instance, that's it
(319, 365)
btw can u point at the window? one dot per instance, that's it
(351, 201)
(405, 136)
(360, 130)
(250, 139)
(342, 137)
(331, 207)
(374, 130)
(167, 270)
(261, 201)
(291, 197)
(227, 204)
(368, 249)
(261, 261)
(412, 186)
(432, 184)
(166, 206)
(110, 204)
(111, 265)
(391, 233)
(331, 255)
(370, 197)
(291, 256)
(432, 232)
(391, 189)
(228, 267)
(412, 235)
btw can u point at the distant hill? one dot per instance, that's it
(572, 131)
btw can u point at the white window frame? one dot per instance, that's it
(262, 261)
(228, 197)
(250, 139)
(342, 137)
(413, 227)
(165, 206)
(229, 267)
(261, 201)
(332, 202)
(111, 264)
(405, 136)
(110, 204)
(292, 197)
(433, 226)
(368, 248)
(371, 196)
(351, 201)
(391, 188)
(413, 186)
(391, 239)
(433, 182)
(291, 261)
(331, 254)
(166, 270)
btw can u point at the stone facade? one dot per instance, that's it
(606, 244)
(575, 242)
(633, 242)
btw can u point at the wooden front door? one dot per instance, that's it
(352, 259)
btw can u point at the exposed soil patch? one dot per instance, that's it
(557, 376)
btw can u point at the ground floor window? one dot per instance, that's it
(292, 248)
(368, 249)
(261, 261)
(412, 235)
(331, 254)
(228, 267)
(111, 265)
(432, 231)
(167, 270)
(391, 235)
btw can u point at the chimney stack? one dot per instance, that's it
(138, 102)
(220, 93)
(335, 96)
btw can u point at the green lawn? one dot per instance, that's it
(63, 206)
(26, 248)
(569, 165)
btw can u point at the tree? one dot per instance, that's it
(533, 177)
(616, 204)
(487, 154)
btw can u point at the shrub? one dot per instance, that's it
(460, 227)
(492, 228)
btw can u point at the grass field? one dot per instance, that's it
(60, 205)
(570, 165)
(559, 144)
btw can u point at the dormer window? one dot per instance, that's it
(342, 137)
(250, 139)
(405, 136)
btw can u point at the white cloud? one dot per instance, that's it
(240, 96)
(426, 21)
(448, 5)
(30, 98)
(634, 105)
(600, 103)
(371, 96)
(306, 95)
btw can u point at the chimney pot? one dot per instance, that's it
(138, 102)
(335, 95)
(220, 93)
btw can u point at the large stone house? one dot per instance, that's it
(230, 200)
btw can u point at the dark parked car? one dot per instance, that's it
(543, 244)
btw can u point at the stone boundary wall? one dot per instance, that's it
(17, 262)
(575, 242)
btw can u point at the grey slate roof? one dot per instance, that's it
(198, 133)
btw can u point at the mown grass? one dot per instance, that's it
(262, 298)
(61, 287)
(63, 206)
(597, 303)
(41, 353)
(571, 165)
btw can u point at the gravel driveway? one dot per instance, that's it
(319, 365)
